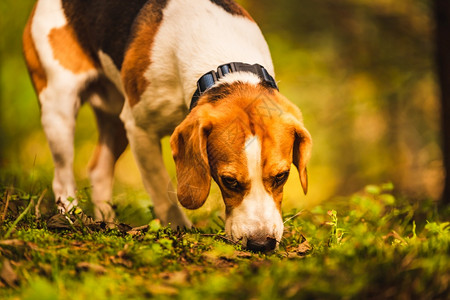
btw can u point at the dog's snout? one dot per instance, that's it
(261, 244)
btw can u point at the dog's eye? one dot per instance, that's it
(281, 178)
(230, 182)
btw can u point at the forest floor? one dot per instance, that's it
(371, 245)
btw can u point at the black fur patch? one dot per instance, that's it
(106, 24)
(219, 92)
(231, 7)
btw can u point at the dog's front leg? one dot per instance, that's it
(146, 147)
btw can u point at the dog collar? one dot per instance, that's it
(209, 79)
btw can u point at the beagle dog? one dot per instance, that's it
(145, 68)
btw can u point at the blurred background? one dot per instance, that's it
(361, 71)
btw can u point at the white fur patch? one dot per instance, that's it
(257, 214)
(245, 77)
(196, 37)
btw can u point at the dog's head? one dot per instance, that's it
(245, 137)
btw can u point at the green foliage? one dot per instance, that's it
(369, 245)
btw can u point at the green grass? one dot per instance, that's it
(369, 245)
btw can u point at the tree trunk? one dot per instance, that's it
(442, 16)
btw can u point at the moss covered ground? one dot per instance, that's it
(370, 245)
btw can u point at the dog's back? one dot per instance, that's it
(158, 48)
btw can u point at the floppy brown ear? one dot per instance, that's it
(188, 143)
(301, 153)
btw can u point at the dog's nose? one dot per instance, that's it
(261, 245)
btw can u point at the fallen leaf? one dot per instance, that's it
(8, 275)
(89, 267)
(12, 243)
(304, 247)
(176, 278)
(138, 230)
(58, 221)
(243, 254)
(122, 227)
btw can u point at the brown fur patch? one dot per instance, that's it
(68, 51)
(34, 65)
(277, 141)
(137, 58)
(189, 150)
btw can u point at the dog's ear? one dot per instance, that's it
(302, 146)
(188, 143)
(302, 153)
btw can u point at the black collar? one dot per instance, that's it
(209, 79)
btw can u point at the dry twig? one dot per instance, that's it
(5, 210)
(37, 211)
